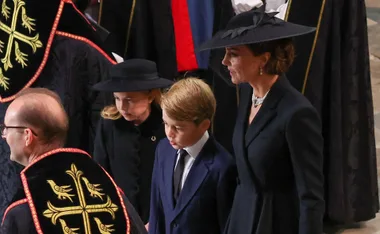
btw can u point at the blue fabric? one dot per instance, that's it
(201, 14)
(205, 200)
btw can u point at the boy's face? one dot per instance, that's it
(182, 134)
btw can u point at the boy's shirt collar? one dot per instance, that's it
(195, 149)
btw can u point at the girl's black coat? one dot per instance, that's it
(127, 152)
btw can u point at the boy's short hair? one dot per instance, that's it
(189, 99)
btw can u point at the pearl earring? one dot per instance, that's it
(261, 71)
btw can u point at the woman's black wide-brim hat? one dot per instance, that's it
(133, 75)
(254, 26)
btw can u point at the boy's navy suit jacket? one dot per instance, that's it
(206, 198)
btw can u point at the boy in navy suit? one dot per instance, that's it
(194, 177)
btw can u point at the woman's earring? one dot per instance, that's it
(261, 71)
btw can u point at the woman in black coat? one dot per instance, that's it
(129, 130)
(277, 138)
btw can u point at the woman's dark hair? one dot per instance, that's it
(282, 54)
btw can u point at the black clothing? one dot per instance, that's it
(127, 152)
(66, 189)
(279, 157)
(338, 84)
(71, 70)
(69, 62)
(19, 220)
(149, 34)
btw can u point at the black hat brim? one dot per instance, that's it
(269, 32)
(122, 85)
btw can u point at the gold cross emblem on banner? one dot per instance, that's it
(15, 37)
(64, 192)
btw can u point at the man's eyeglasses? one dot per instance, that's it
(3, 127)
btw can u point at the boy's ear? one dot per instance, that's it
(205, 124)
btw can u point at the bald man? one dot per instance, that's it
(34, 124)
(64, 190)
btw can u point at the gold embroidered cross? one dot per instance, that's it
(63, 192)
(15, 37)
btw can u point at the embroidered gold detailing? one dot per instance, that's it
(20, 56)
(14, 36)
(3, 80)
(5, 10)
(57, 213)
(93, 189)
(66, 229)
(61, 191)
(27, 22)
(1, 46)
(104, 229)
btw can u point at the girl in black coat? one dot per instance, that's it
(129, 130)
(277, 139)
